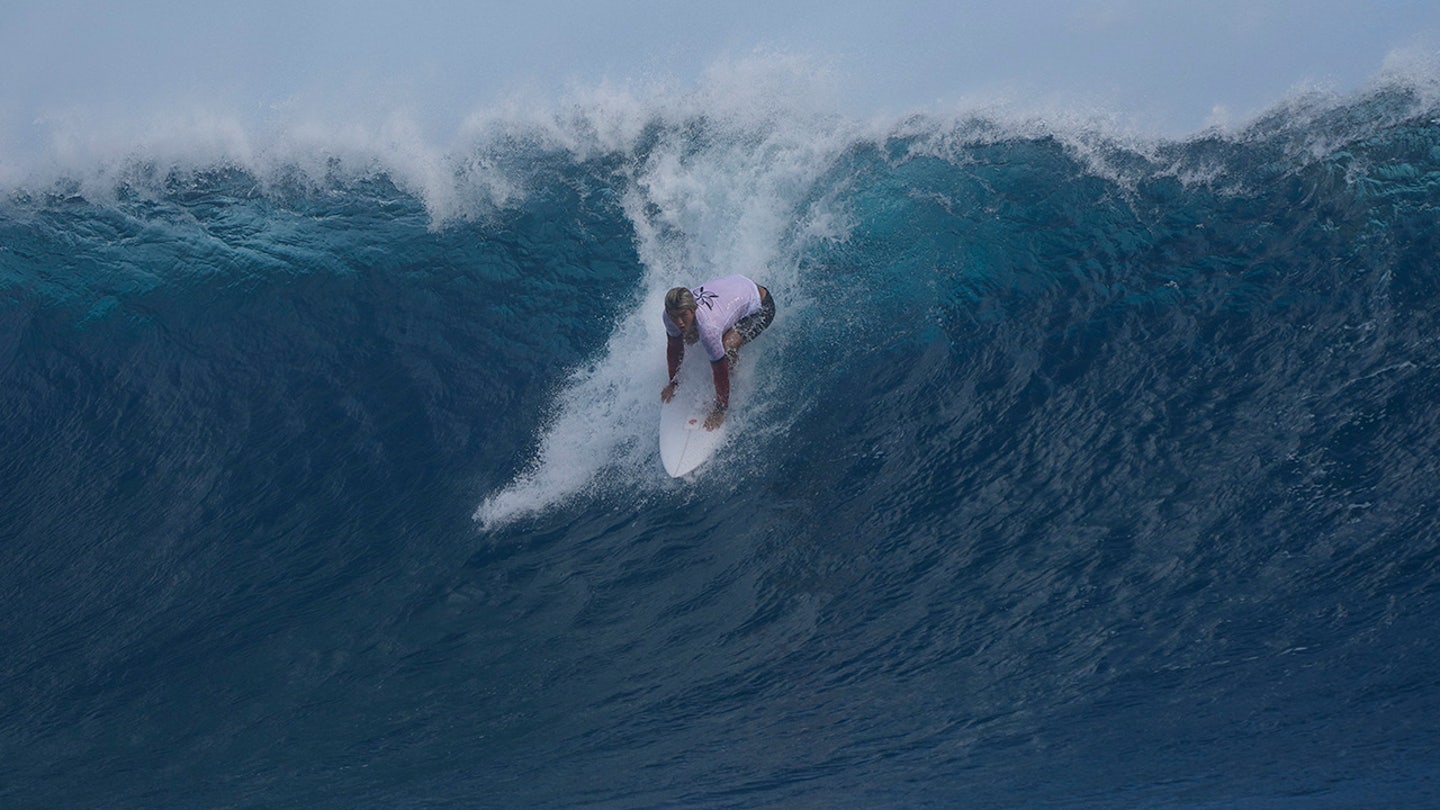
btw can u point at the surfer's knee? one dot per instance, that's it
(752, 325)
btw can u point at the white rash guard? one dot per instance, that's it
(719, 305)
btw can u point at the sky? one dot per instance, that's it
(1167, 66)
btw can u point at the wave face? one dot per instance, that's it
(1075, 470)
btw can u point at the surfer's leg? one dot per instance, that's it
(732, 342)
(750, 327)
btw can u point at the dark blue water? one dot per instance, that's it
(1074, 472)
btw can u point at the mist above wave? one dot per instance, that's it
(463, 170)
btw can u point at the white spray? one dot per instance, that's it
(726, 203)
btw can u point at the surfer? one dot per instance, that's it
(721, 315)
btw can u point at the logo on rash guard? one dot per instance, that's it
(703, 296)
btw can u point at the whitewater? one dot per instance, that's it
(1080, 467)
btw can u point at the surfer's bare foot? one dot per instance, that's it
(667, 393)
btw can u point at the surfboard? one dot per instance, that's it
(684, 442)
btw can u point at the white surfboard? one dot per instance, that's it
(684, 442)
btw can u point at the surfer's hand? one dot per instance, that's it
(667, 393)
(715, 419)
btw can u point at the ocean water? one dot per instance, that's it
(1078, 469)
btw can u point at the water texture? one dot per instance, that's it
(1077, 470)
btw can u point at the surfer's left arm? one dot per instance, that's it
(720, 370)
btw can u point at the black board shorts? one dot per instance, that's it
(750, 326)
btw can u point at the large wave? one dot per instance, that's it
(1079, 467)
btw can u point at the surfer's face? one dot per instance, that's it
(684, 319)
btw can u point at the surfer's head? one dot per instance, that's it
(679, 298)
(680, 307)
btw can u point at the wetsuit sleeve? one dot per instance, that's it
(720, 370)
(674, 353)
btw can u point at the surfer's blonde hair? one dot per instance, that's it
(679, 298)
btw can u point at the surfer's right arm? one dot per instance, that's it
(674, 353)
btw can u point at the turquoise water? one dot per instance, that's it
(1076, 470)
